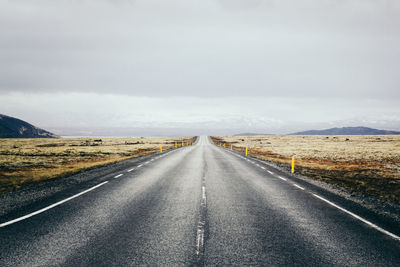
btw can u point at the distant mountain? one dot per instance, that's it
(249, 134)
(15, 128)
(347, 131)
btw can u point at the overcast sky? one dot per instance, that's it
(221, 66)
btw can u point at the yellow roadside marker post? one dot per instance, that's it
(182, 143)
(231, 147)
(224, 145)
(246, 151)
(176, 145)
(160, 148)
(293, 165)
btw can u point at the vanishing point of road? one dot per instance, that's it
(197, 205)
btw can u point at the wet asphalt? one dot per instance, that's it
(197, 205)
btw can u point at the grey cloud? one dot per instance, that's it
(200, 66)
(202, 48)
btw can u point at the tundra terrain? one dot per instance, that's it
(30, 161)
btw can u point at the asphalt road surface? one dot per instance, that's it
(198, 205)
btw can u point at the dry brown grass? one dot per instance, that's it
(25, 162)
(366, 164)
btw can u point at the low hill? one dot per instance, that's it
(15, 128)
(347, 131)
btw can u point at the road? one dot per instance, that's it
(198, 205)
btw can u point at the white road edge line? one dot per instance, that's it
(298, 186)
(359, 218)
(52, 205)
(117, 176)
(282, 178)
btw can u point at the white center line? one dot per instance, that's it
(131, 169)
(359, 218)
(298, 186)
(51, 206)
(117, 176)
(203, 190)
(140, 165)
(262, 167)
(202, 222)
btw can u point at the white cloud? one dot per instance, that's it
(270, 115)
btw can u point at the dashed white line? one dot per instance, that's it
(51, 206)
(282, 178)
(262, 167)
(394, 236)
(338, 207)
(117, 176)
(359, 218)
(147, 162)
(203, 191)
(202, 222)
(298, 186)
(200, 237)
(131, 170)
(140, 165)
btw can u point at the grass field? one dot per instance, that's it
(366, 164)
(25, 162)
